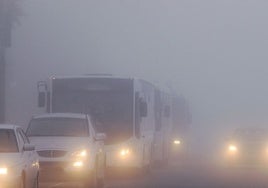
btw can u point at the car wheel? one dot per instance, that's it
(36, 182)
(21, 183)
(96, 178)
(148, 167)
(101, 174)
(98, 181)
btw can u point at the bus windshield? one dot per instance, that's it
(109, 102)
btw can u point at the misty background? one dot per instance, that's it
(213, 52)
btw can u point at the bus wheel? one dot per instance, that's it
(147, 169)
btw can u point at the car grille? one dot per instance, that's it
(53, 166)
(52, 153)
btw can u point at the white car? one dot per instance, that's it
(247, 147)
(68, 148)
(19, 167)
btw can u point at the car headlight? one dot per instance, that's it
(124, 152)
(232, 148)
(78, 164)
(176, 142)
(80, 154)
(3, 171)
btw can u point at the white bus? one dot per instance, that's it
(130, 111)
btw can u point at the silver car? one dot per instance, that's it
(19, 165)
(68, 148)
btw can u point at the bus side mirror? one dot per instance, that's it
(42, 93)
(143, 109)
(41, 99)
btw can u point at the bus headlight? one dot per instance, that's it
(3, 171)
(176, 142)
(232, 148)
(124, 152)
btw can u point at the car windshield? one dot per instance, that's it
(72, 127)
(8, 141)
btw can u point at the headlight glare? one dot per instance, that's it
(124, 152)
(3, 171)
(80, 154)
(78, 164)
(232, 148)
(177, 142)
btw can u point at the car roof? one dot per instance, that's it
(60, 115)
(8, 126)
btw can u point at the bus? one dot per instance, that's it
(133, 113)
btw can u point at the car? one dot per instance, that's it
(19, 166)
(247, 147)
(69, 148)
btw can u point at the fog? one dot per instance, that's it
(213, 52)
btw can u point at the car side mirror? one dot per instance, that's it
(143, 109)
(100, 136)
(28, 147)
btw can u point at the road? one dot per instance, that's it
(186, 176)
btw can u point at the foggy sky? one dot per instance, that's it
(212, 51)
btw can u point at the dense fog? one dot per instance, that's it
(212, 52)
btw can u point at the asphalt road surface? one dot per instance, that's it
(201, 175)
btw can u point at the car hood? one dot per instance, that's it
(60, 143)
(10, 159)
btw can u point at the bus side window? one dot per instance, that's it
(137, 115)
(143, 108)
